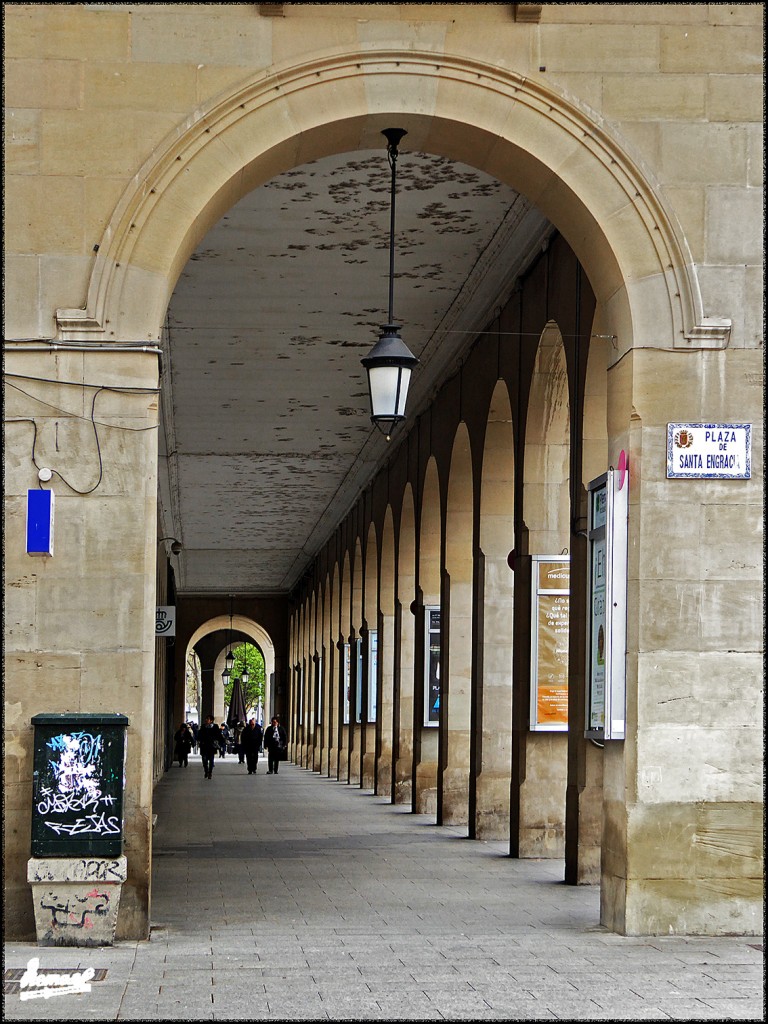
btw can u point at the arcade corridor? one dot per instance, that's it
(300, 898)
(508, 611)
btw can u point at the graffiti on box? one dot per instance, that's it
(73, 798)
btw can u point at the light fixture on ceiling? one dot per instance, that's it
(389, 363)
(244, 674)
(175, 546)
(230, 658)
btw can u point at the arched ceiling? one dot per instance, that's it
(266, 439)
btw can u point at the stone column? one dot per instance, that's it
(80, 632)
(682, 814)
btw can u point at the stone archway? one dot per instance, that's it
(520, 131)
(252, 629)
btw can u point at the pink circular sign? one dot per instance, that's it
(622, 467)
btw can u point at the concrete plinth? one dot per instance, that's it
(76, 899)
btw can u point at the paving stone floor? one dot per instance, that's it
(294, 897)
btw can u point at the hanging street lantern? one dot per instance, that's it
(389, 363)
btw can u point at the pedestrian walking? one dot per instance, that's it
(193, 730)
(224, 731)
(182, 744)
(251, 741)
(276, 742)
(209, 741)
(238, 735)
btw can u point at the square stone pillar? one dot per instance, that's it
(682, 839)
(76, 899)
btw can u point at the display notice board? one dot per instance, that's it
(550, 598)
(432, 665)
(347, 681)
(78, 783)
(358, 679)
(607, 608)
(319, 689)
(373, 673)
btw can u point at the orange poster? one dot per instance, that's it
(552, 698)
(549, 682)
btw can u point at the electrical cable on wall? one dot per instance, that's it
(92, 419)
(77, 416)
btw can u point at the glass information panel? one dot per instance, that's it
(358, 680)
(432, 665)
(319, 688)
(373, 668)
(550, 599)
(607, 609)
(347, 681)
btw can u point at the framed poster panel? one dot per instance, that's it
(347, 681)
(607, 606)
(319, 689)
(373, 673)
(431, 665)
(358, 679)
(550, 597)
(300, 684)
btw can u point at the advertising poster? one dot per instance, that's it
(607, 604)
(347, 682)
(549, 662)
(432, 667)
(358, 680)
(319, 688)
(597, 637)
(373, 655)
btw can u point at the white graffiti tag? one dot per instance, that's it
(97, 823)
(76, 772)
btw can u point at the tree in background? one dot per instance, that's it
(193, 687)
(253, 691)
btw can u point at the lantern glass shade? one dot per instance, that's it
(245, 676)
(388, 386)
(389, 365)
(230, 659)
(225, 674)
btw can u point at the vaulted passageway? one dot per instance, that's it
(560, 261)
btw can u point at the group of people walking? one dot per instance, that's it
(249, 741)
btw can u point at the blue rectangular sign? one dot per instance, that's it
(39, 522)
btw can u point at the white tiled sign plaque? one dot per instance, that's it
(709, 450)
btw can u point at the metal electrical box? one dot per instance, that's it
(78, 784)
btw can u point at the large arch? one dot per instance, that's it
(521, 131)
(241, 624)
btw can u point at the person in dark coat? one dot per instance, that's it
(237, 732)
(209, 740)
(275, 740)
(193, 729)
(182, 744)
(250, 742)
(224, 733)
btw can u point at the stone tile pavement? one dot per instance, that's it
(294, 897)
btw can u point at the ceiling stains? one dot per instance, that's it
(267, 325)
